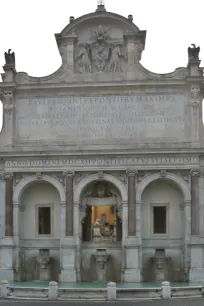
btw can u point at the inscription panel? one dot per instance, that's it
(101, 118)
(106, 161)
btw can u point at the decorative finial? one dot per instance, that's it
(101, 2)
(101, 6)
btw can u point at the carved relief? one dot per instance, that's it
(8, 101)
(17, 178)
(39, 176)
(131, 172)
(100, 34)
(163, 173)
(123, 178)
(6, 175)
(100, 174)
(195, 172)
(79, 177)
(60, 177)
(69, 173)
(100, 54)
(195, 96)
(115, 58)
(83, 58)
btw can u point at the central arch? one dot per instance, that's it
(94, 177)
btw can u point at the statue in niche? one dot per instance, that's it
(193, 53)
(9, 58)
(83, 58)
(115, 59)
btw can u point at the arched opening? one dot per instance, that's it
(101, 232)
(102, 220)
(162, 231)
(39, 224)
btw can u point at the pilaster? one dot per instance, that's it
(196, 110)
(7, 258)
(8, 124)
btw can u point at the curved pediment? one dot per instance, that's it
(100, 47)
(103, 16)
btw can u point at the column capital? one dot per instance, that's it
(131, 172)
(195, 172)
(69, 173)
(6, 175)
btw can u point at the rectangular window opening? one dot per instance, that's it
(159, 220)
(44, 220)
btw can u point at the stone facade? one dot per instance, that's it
(102, 131)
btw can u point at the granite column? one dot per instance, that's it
(195, 211)
(131, 202)
(9, 205)
(69, 203)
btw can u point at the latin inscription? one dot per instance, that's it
(131, 161)
(101, 118)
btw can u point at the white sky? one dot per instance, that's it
(28, 27)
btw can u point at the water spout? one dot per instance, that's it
(101, 256)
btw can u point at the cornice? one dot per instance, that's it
(103, 85)
(143, 153)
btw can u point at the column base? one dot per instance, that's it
(7, 274)
(132, 272)
(196, 274)
(132, 276)
(68, 259)
(68, 276)
(6, 252)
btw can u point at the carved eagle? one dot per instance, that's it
(193, 52)
(9, 57)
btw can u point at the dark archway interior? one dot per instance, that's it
(105, 217)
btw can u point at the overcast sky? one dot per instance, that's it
(28, 27)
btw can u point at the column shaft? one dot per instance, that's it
(69, 203)
(9, 205)
(131, 202)
(195, 218)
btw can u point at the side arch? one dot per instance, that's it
(94, 177)
(169, 176)
(26, 181)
